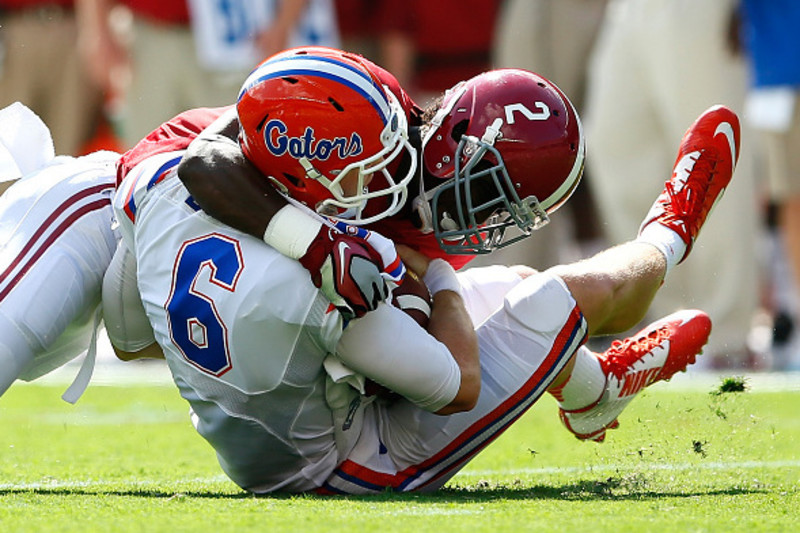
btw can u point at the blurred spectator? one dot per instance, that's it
(431, 46)
(772, 41)
(356, 19)
(40, 66)
(181, 54)
(553, 38)
(658, 64)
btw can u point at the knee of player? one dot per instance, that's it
(595, 293)
(540, 303)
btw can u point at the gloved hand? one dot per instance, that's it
(353, 267)
(393, 267)
(348, 269)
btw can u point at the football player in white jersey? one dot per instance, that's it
(56, 242)
(275, 382)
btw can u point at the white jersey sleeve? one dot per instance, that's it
(127, 325)
(419, 368)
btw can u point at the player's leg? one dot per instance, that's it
(55, 243)
(598, 388)
(615, 288)
(521, 351)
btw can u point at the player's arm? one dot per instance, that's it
(229, 188)
(450, 324)
(224, 183)
(440, 370)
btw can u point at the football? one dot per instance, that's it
(412, 296)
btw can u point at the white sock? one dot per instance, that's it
(585, 385)
(667, 241)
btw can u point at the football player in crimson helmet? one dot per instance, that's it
(319, 124)
(503, 149)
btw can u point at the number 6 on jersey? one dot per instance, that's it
(194, 323)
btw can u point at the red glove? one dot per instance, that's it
(347, 270)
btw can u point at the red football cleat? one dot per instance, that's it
(656, 353)
(704, 167)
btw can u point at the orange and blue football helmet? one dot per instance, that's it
(312, 117)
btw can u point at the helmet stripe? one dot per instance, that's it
(323, 67)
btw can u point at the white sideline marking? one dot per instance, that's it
(716, 465)
(112, 372)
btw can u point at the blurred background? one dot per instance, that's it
(103, 73)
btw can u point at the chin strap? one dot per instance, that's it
(423, 209)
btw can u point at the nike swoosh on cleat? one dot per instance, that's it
(726, 129)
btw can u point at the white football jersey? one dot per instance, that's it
(243, 330)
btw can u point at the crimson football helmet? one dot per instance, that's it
(506, 148)
(317, 120)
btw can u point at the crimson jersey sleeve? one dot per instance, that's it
(175, 134)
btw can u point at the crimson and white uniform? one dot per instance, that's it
(251, 345)
(56, 241)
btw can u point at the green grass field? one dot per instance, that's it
(125, 458)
